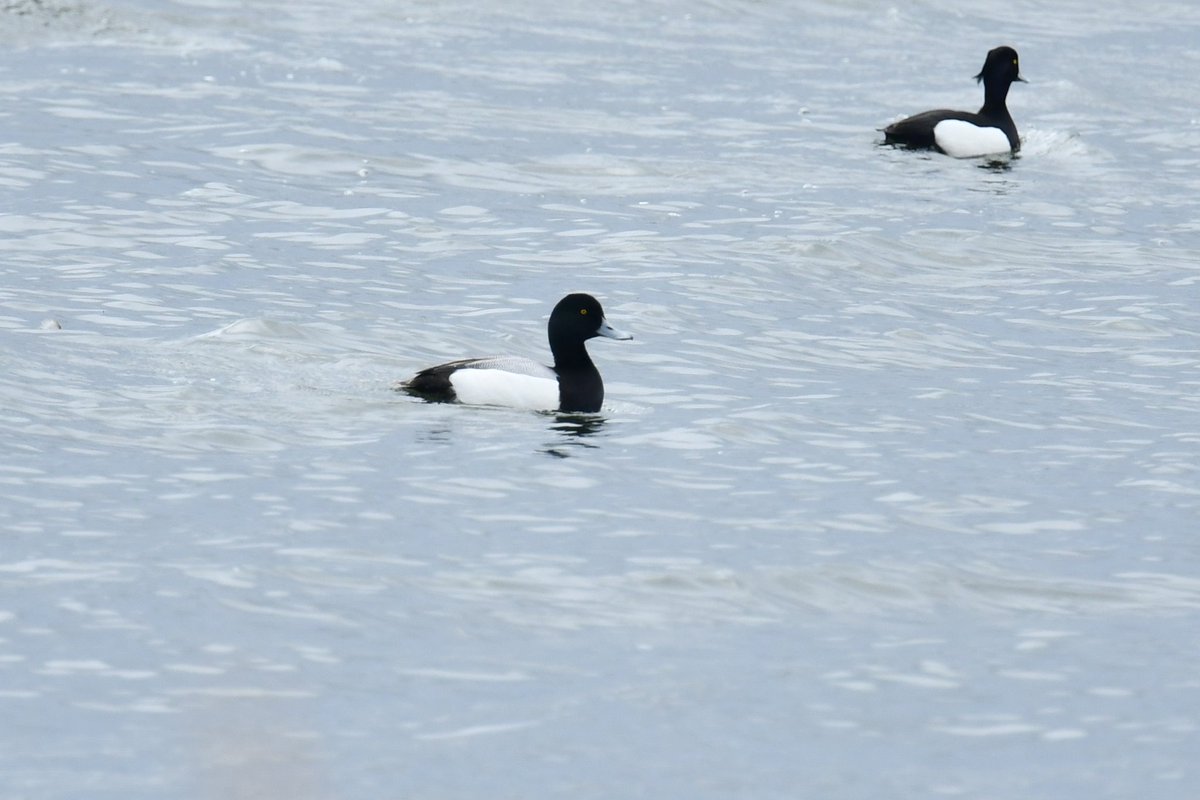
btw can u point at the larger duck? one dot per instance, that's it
(966, 134)
(572, 384)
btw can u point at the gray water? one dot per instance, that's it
(894, 495)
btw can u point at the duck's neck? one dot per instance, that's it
(571, 357)
(994, 97)
(580, 387)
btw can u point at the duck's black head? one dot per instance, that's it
(577, 318)
(1001, 68)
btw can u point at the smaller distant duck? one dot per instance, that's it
(573, 384)
(962, 134)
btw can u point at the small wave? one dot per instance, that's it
(1055, 144)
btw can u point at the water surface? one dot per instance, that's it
(893, 495)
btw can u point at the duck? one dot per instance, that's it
(963, 134)
(572, 384)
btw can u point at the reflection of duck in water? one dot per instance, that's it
(577, 425)
(572, 384)
(573, 431)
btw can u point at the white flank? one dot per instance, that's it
(962, 139)
(496, 387)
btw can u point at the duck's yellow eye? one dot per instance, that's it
(583, 311)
